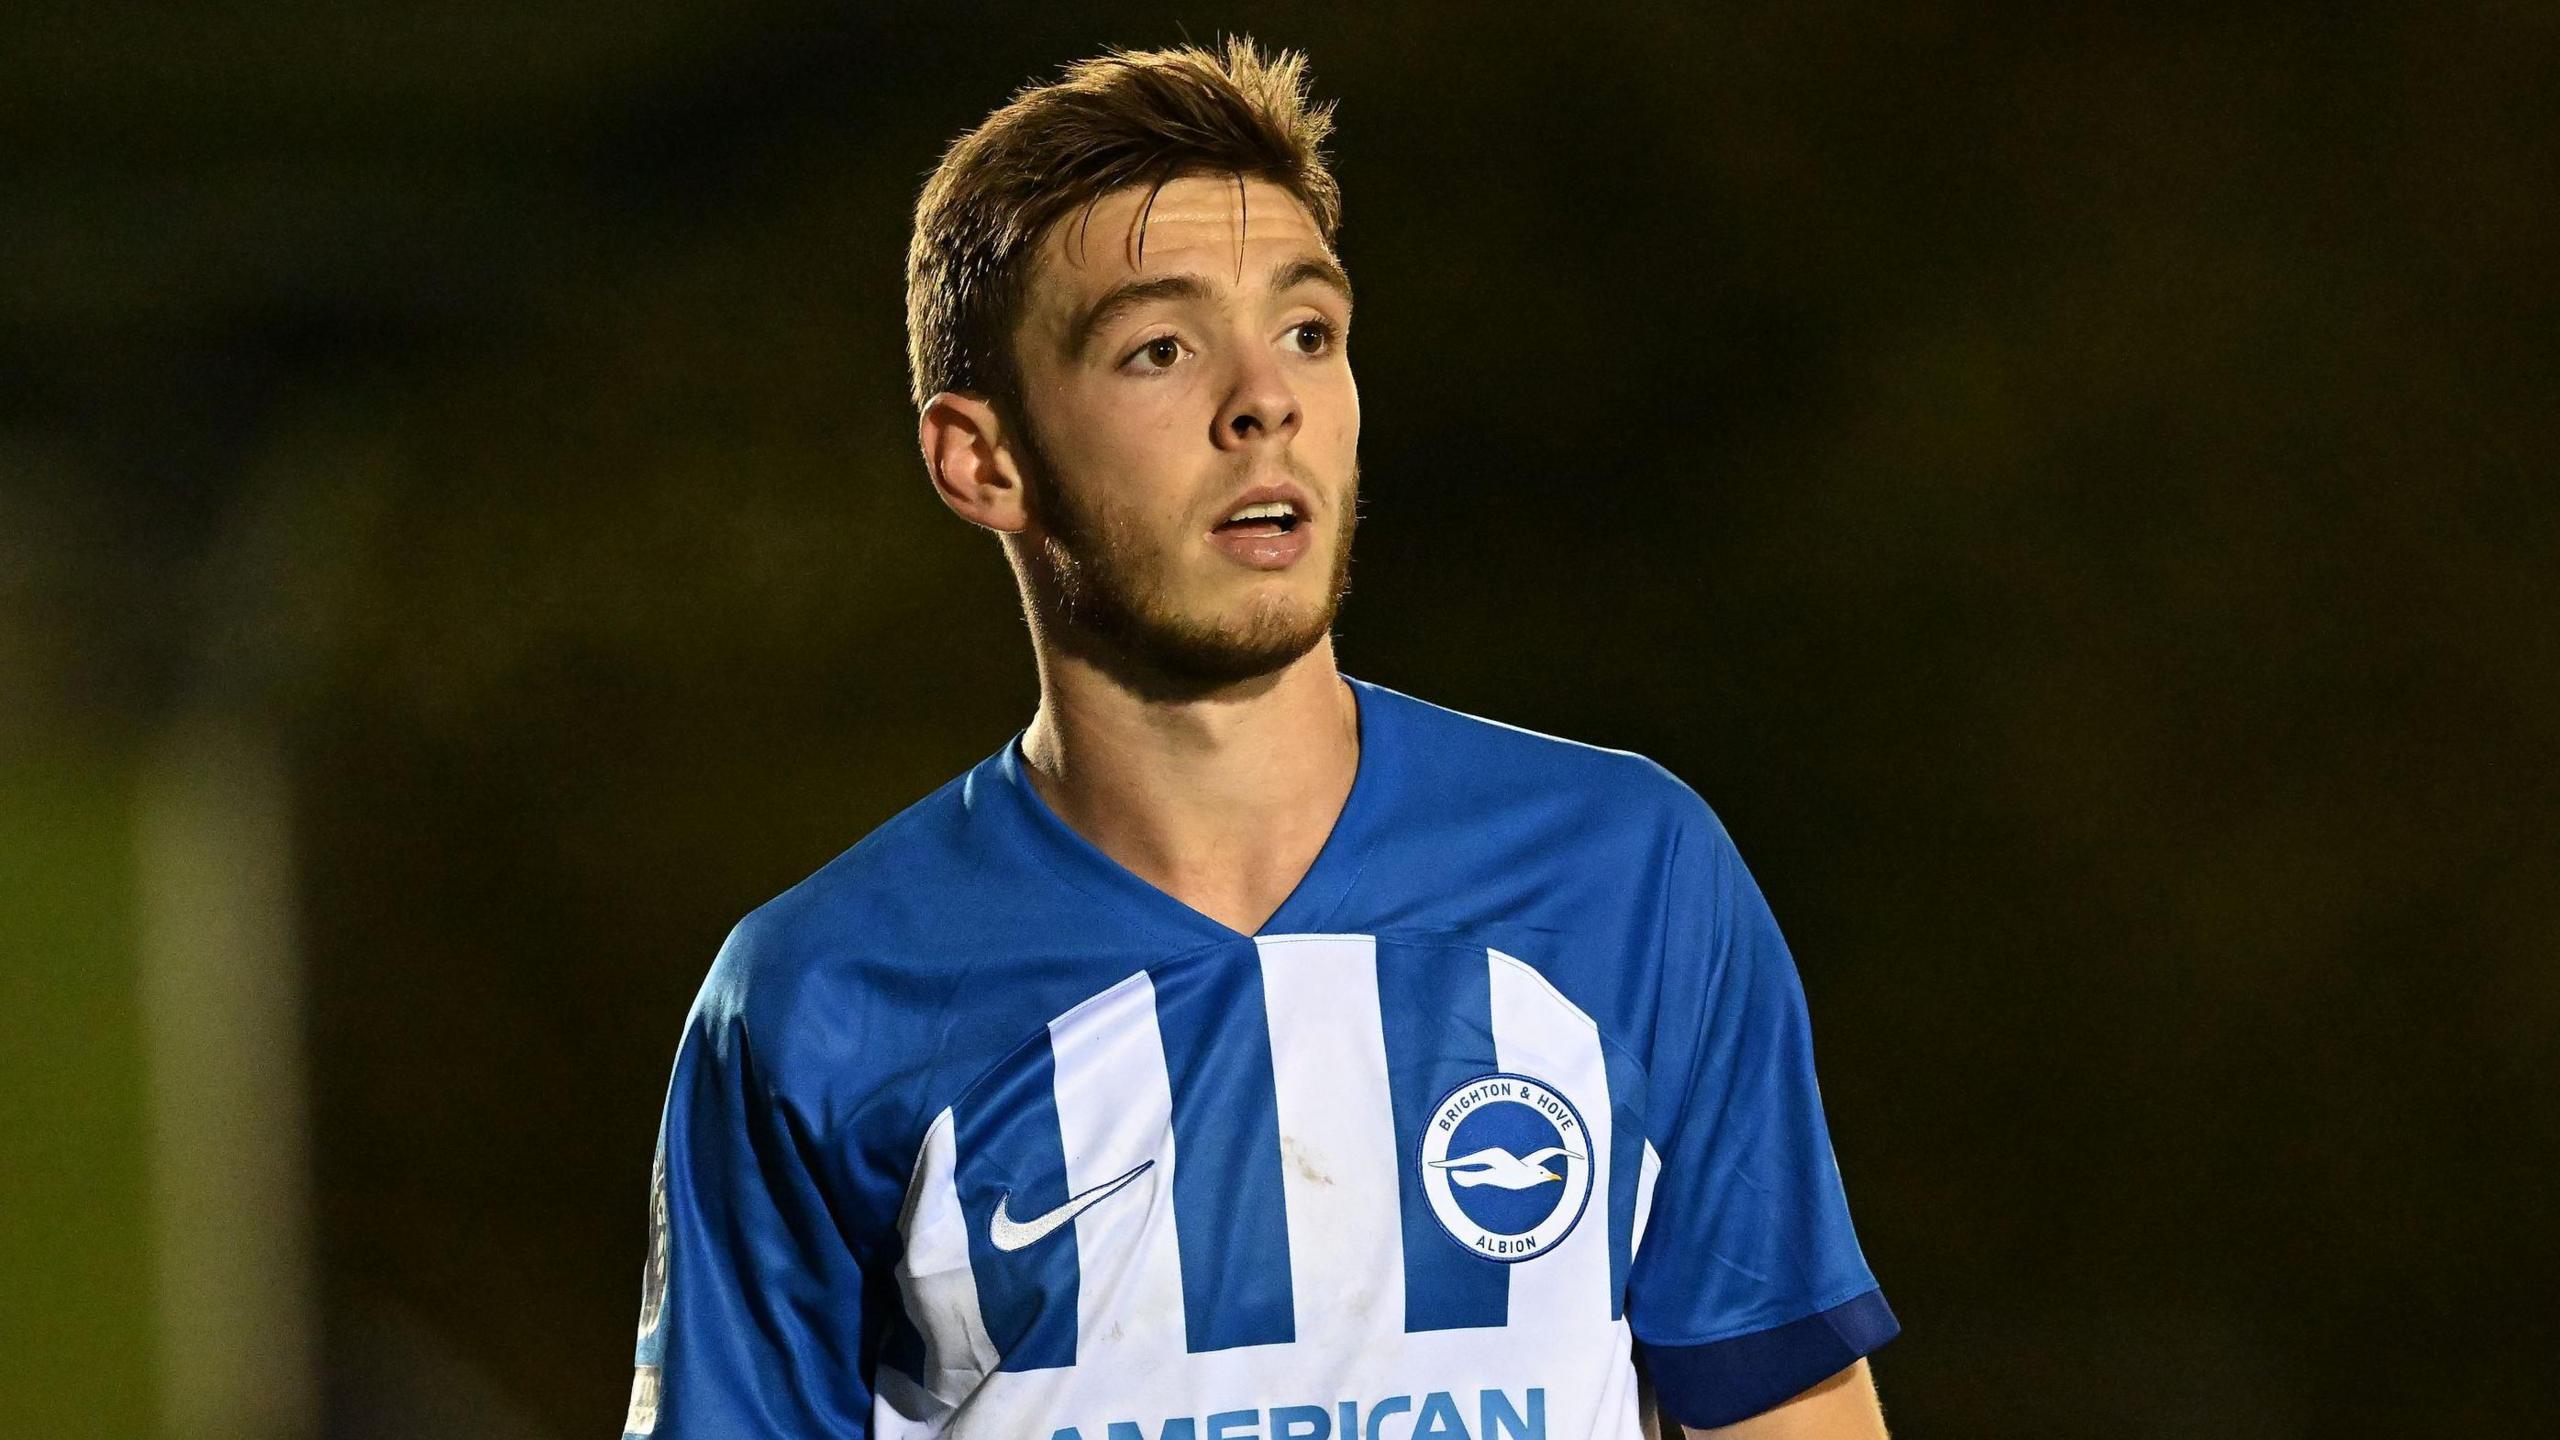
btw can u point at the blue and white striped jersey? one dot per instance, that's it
(976, 1134)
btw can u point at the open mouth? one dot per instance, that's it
(1272, 517)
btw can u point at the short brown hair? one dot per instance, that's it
(1126, 118)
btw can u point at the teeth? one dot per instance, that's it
(1269, 510)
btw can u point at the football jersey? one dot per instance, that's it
(975, 1133)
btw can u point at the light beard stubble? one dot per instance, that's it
(1093, 583)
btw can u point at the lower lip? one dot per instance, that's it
(1264, 552)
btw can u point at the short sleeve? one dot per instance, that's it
(751, 1303)
(1748, 1286)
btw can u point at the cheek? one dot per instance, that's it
(1121, 418)
(1333, 413)
(1137, 458)
(1110, 437)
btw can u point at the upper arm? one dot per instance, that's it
(1843, 1407)
(752, 1314)
(1748, 1286)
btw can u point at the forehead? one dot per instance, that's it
(1195, 224)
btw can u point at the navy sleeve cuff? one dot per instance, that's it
(1729, 1380)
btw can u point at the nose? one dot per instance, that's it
(1260, 405)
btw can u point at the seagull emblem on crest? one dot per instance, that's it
(1503, 1170)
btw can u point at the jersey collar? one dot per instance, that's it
(1314, 907)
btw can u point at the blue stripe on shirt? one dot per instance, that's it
(1437, 1002)
(1005, 1133)
(1229, 1219)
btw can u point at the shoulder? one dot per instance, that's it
(1486, 767)
(824, 983)
(878, 885)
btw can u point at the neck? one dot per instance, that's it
(1221, 799)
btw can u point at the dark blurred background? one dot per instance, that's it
(2074, 488)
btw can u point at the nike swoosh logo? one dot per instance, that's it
(1007, 1233)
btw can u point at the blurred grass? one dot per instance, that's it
(75, 1257)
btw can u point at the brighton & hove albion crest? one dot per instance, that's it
(1506, 1164)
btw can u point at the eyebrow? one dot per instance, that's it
(1313, 270)
(1123, 298)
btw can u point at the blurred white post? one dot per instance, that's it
(222, 1018)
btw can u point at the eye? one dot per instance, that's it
(1313, 337)
(1157, 354)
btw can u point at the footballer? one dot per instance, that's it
(1243, 1051)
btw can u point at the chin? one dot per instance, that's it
(1266, 635)
(1185, 635)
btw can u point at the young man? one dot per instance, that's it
(1241, 1050)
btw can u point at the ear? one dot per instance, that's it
(972, 467)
